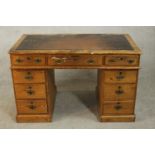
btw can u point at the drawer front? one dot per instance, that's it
(114, 92)
(122, 60)
(21, 60)
(118, 108)
(31, 106)
(120, 76)
(28, 76)
(73, 60)
(28, 91)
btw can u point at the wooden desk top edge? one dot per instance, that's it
(136, 49)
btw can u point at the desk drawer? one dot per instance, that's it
(29, 91)
(21, 60)
(28, 76)
(31, 106)
(114, 92)
(73, 60)
(122, 60)
(118, 108)
(120, 76)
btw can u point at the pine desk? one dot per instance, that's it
(34, 58)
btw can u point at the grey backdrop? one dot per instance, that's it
(75, 105)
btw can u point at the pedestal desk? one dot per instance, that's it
(34, 58)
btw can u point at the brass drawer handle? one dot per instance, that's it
(18, 60)
(28, 76)
(117, 59)
(120, 58)
(59, 60)
(37, 60)
(30, 91)
(32, 106)
(120, 76)
(130, 61)
(90, 61)
(118, 106)
(119, 91)
(28, 58)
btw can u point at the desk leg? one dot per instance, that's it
(114, 107)
(35, 96)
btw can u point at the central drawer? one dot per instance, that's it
(29, 91)
(32, 106)
(114, 92)
(75, 60)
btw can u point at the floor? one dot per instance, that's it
(76, 102)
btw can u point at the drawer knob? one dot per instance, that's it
(118, 106)
(130, 61)
(90, 61)
(32, 106)
(37, 60)
(18, 60)
(28, 76)
(119, 91)
(120, 76)
(28, 58)
(30, 92)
